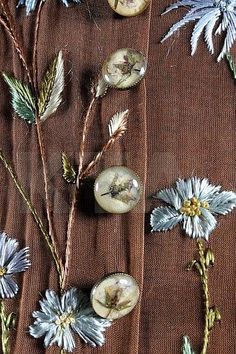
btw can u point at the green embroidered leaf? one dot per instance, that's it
(23, 101)
(187, 348)
(50, 95)
(232, 65)
(69, 173)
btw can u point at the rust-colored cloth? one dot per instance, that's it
(182, 123)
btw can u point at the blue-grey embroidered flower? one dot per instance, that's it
(207, 13)
(59, 317)
(193, 203)
(11, 262)
(31, 4)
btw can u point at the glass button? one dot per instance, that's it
(117, 189)
(129, 7)
(115, 296)
(124, 68)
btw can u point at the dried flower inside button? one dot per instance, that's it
(129, 7)
(124, 68)
(115, 296)
(117, 189)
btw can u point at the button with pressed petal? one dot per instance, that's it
(129, 7)
(115, 296)
(124, 68)
(117, 189)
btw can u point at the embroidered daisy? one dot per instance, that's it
(59, 317)
(31, 4)
(207, 13)
(11, 263)
(193, 203)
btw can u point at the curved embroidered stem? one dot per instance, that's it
(7, 322)
(47, 237)
(8, 22)
(211, 314)
(76, 190)
(98, 157)
(35, 46)
(84, 135)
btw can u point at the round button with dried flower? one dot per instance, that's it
(115, 296)
(129, 7)
(117, 189)
(124, 68)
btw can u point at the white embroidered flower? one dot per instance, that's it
(59, 317)
(193, 203)
(11, 262)
(207, 13)
(31, 4)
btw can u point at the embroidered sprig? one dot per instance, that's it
(12, 262)
(207, 14)
(194, 203)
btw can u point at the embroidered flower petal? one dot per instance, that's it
(199, 227)
(223, 203)
(207, 13)
(187, 348)
(8, 287)
(164, 218)
(31, 4)
(203, 190)
(20, 262)
(170, 196)
(184, 189)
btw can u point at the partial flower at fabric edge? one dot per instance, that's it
(12, 262)
(207, 13)
(187, 348)
(31, 4)
(61, 316)
(194, 203)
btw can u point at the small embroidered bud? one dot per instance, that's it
(210, 258)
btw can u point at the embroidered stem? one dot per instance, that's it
(46, 235)
(211, 314)
(85, 132)
(98, 157)
(45, 178)
(7, 322)
(35, 47)
(8, 22)
(76, 190)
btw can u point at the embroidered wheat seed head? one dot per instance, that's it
(193, 203)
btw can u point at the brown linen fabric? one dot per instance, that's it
(182, 123)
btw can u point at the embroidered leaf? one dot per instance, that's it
(231, 64)
(118, 124)
(69, 173)
(50, 95)
(22, 100)
(164, 218)
(187, 348)
(100, 88)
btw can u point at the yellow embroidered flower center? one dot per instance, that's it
(192, 207)
(65, 320)
(2, 271)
